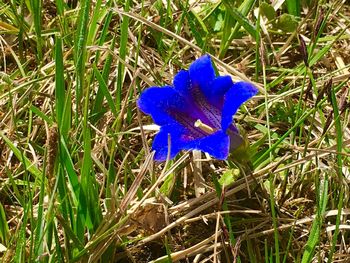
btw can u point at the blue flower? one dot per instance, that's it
(197, 111)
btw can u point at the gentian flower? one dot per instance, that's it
(197, 111)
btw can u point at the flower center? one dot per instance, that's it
(206, 128)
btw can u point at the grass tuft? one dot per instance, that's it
(77, 178)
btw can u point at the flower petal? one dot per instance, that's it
(201, 78)
(216, 144)
(158, 102)
(202, 73)
(218, 88)
(168, 107)
(201, 108)
(213, 94)
(234, 98)
(203, 90)
(160, 143)
(182, 82)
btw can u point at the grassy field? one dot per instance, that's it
(77, 178)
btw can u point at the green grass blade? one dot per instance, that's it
(97, 111)
(280, 140)
(314, 237)
(122, 53)
(21, 241)
(60, 7)
(80, 51)
(104, 89)
(4, 228)
(67, 162)
(293, 7)
(29, 166)
(194, 20)
(58, 250)
(37, 13)
(339, 132)
(336, 231)
(39, 229)
(227, 218)
(60, 92)
(274, 219)
(99, 13)
(41, 115)
(241, 14)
